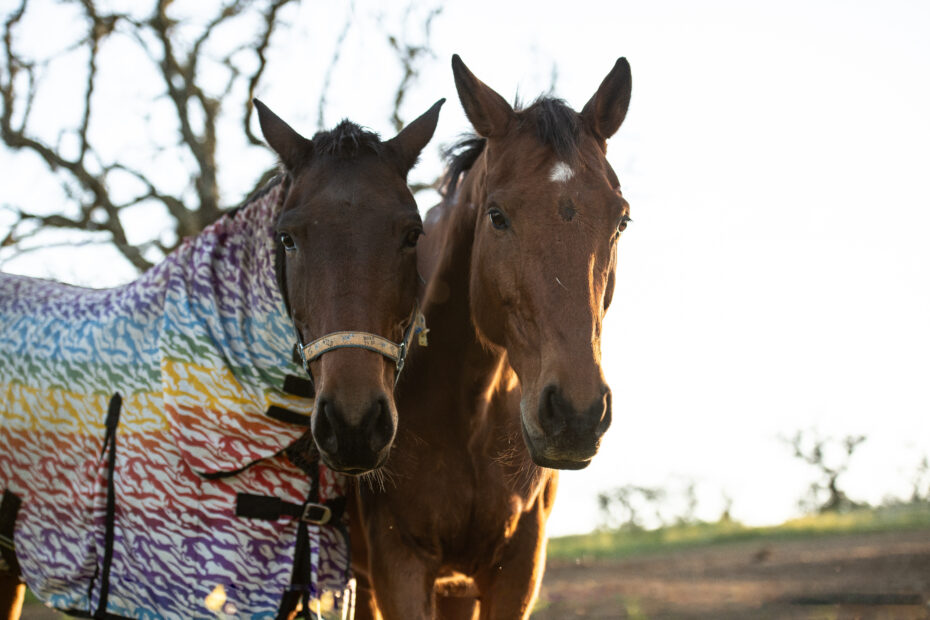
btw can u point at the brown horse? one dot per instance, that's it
(349, 232)
(345, 259)
(520, 259)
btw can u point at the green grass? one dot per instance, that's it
(623, 543)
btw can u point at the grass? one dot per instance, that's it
(624, 543)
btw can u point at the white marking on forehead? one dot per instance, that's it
(561, 172)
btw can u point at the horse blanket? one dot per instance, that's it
(198, 348)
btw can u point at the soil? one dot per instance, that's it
(878, 575)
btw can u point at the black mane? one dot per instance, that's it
(346, 140)
(556, 124)
(460, 157)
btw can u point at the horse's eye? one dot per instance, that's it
(498, 219)
(288, 242)
(623, 223)
(413, 235)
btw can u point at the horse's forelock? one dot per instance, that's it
(556, 125)
(346, 140)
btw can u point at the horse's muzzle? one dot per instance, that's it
(566, 438)
(354, 447)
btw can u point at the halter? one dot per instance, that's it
(306, 353)
(416, 326)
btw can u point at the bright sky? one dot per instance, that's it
(777, 275)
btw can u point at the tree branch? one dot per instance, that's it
(270, 18)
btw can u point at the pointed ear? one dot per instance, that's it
(412, 138)
(290, 146)
(489, 113)
(605, 112)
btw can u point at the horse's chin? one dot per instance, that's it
(356, 469)
(544, 455)
(559, 464)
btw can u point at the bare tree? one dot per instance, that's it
(831, 458)
(920, 492)
(624, 507)
(203, 63)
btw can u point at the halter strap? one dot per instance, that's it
(397, 352)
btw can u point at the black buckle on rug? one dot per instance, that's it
(316, 514)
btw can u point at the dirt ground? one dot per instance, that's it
(866, 576)
(879, 576)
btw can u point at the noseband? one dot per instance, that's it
(416, 326)
(306, 353)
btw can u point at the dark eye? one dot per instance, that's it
(498, 219)
(623, 223)
(413, 235)
(287, 242)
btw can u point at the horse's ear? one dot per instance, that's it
(290, 146)
(605, 112)
(412, 138)
(489, 113)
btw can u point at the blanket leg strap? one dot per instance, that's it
(109, 446)
(9, 506)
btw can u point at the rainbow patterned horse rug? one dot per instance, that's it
(138, 421)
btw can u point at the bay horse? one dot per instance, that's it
(520, 258)
(155, 455)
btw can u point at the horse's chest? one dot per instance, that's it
(481, 518)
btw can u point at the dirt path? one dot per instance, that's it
(883, 575)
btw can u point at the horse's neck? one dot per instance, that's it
(238, 253)
(227, 285)
(471, 402)
(475, 368)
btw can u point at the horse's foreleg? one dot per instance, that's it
(402, 578)
(509, 587)
(12, 594)
(456, 608)
(403, 584)
(365, 606)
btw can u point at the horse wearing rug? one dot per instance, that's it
(520, 259)
(156, 460)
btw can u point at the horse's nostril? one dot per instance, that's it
(380, 425)
(551, 414)
(323, 428)
(606, 415)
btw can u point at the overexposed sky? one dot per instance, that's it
(777, 275)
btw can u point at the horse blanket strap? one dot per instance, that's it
(9, 507)
(109, 447)
(286, 415)
(198, 348)
(269, 508)
(298, 386)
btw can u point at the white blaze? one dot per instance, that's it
(561, 172)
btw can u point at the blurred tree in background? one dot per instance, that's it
(128, 108)
(831, 458)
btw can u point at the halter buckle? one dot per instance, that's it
(401, 356)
